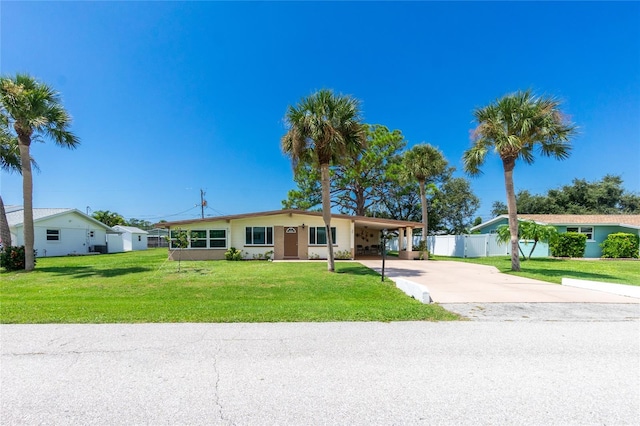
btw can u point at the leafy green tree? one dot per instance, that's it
(179, 240)
(503, 235)
(531, 231)
(358, 183)
(401, 202)
(630, 203)
(361, 181)
(324, 129)
(108, 218)
(453, 206)
(422, 164)
(514, 126)
(139, 223)
(34, 111)
(498, 208)
(370, 184)
(308, 194)
(605, 196)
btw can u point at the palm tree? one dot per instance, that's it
(322, 129)
(514, 126)
(423, 163)
(108, 218)
(35, 111)
(9, 162)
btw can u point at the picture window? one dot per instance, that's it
(318, 235)
(259, 235)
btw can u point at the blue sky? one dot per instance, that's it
(172, 97)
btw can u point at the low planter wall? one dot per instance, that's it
(408, 255)
(413, 289)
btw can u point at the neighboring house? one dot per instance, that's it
(132, 238)
(288, 234)
(157, 238)
(60, 232)
(595, 227)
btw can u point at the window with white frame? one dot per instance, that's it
(53, 235)
(259, 235)
(217, 238)
(201, 238)
(198, 239)
(174, 235)
(587, 230)
(318, 236)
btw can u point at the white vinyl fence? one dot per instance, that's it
(476, 245)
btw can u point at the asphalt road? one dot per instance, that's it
(469, 372)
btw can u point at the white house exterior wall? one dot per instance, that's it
(141, 244)
(75, 236)
(115, 243)
(131, 243)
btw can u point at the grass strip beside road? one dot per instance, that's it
(143, 286)
(553, 270)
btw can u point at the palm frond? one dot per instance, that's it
(323, 128)
(35, 110)
(517, 123)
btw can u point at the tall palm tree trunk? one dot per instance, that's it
(27, 197)
(326, 212)
(5, 232)
(425, 217)
(512, 211)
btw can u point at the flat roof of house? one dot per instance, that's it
(373, 222)
(131, 229)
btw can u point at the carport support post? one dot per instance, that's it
(384, 249)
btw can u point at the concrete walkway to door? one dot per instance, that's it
(459, 282)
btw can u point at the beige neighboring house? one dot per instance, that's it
(287, 234)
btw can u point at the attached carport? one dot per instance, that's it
(367, 237)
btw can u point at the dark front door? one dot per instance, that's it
(290, 242)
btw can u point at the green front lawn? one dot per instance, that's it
(145, 287)
(553, 270)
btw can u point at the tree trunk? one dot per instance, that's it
(360, 201)
(326, 213)
(24, 143)
(535, 242)
(512, 210)
(5, 232)
(425, 217)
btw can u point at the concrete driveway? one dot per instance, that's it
(459, 282)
